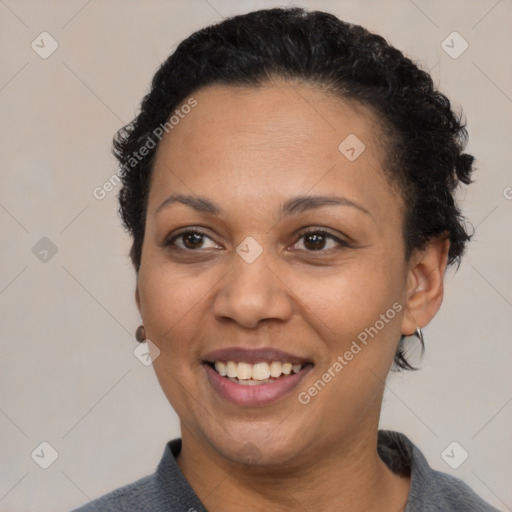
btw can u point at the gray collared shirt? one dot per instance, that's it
(167, 490)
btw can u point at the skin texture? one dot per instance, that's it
(249, 150)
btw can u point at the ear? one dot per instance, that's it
(137, 298)
(425, 285)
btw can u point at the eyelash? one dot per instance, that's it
(319, 230)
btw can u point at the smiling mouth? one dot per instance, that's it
(255, 374)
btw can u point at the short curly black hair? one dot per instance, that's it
(425, 138)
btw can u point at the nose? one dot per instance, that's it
(253, 292)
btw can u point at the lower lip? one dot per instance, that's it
(259, 394)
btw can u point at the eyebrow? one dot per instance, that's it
(200, 204)
(292, 206)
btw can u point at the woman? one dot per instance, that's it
(288, 185)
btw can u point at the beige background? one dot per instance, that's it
(68, 373)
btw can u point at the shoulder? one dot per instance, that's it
(166, 490)
(431, 490)
(445, 492)
(129, 497)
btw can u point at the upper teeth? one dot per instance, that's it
(258, 371)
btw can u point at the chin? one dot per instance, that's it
(260, 445)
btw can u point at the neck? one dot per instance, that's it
(348, 473)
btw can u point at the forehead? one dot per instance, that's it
(270, 142)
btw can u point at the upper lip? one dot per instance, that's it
(253, 356)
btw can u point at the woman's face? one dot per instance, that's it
(250, 170)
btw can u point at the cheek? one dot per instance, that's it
(357, 314)
(362, 308)
(173, 298)
(172, 316)
(173, 312)
(353, 296)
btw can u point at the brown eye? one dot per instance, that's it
(191, 240)
(319, 241)
(314, 241)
